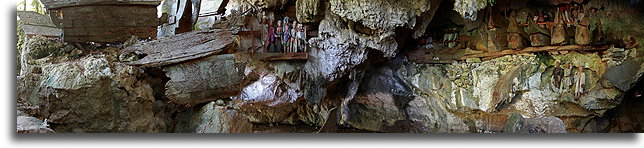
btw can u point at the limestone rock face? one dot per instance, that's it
(331, 56)
(28, 124)
(309, 11)
(380, 14)
(528, 90)
(624, 75)
(545, 125)
(374, 112)
(213, 117)
(270, 100)
(94, 95)
(515, 124)
(380, 100)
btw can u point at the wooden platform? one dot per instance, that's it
(282, 56)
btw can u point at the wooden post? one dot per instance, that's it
(252, 37)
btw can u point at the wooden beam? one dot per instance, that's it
(282, 56)
(496, 54)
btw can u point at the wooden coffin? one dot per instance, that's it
(104, 20)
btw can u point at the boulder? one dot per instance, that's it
(624, 76)
(271, 99)
(28, 124)
(213, 118)
(515, 124)
(545, 125)
(375, 112)
(95, 95)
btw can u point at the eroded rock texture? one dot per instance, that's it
(357, 78)
(214, 117)
(90, 95)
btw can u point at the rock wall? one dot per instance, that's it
(357, 78)
(93, 93)
(465, 87)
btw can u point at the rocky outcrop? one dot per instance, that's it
(271, 99)
(309, 11)
(380, 14)
(528, 90)
(214, 117)
(95, 95)
(28, 124)
(275, 96)
(348, 33)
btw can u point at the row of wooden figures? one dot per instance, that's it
(570, 14)
(284, 36)
(563, 78)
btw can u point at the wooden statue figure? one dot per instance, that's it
(271, 36)
(293, 35)
(300, 38)
(304, 41)
(557, 75)
(580, 80)
(567, 77)
(264, 36)
(278, 36)
(287, 35)
(567, 14)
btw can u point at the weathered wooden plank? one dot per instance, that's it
(534, 49)
(107, 34)
(33, 23)
(104, 21)
(111, 31)
(183, 47)
(33, 18)
(109, 16)
(53, 4)
(45, 31)
(203, 80)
